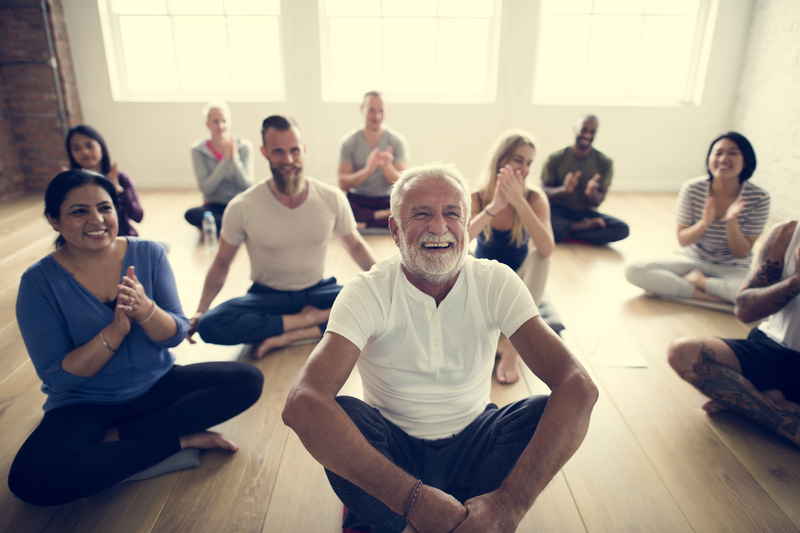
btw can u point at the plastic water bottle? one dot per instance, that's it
(209, 232)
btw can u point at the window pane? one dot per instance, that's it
(255, 54)
(353, 64)
(202, 53)
(666, 55)
(466, 8)
(139, 7)
(563, 49)
(614, 53)
(672, 7)
(409, 8)
(149, 60)
(252, 7)
(195, 7)
(353, 8)
(567, 6)
(462, 56)
(619, 7)
(409, 64)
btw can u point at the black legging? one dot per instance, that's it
(65, 459)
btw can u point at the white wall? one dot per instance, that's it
(654, 148)
(768, 107)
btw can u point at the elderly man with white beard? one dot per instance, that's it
(286, 223)
(426, 450)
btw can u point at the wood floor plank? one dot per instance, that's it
(713, 489)
(13, 354)
(231, 492)
(611, 478)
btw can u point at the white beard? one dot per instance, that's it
(435, 269)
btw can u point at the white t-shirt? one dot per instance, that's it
(287, 246)
(428, 369)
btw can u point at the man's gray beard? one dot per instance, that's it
(435, 270)
(290, 186)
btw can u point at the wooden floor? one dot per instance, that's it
(652, 460)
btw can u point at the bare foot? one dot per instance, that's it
(271, 343)
(112, 434)
(205, 440)
(697, 278)
(589, 223)
(777, 396)
(285, 339)
(315, 315)
(713, 407)
(382, 213)
(507, 372)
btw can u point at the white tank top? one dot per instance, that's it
(784, 326)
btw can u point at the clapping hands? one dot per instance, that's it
(376, 159)
(592, 185)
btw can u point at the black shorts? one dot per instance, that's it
(767, 364)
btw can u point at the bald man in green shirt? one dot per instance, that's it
(576, 179)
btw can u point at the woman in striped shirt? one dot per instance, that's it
(719, 219)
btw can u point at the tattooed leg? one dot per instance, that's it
(734, 391)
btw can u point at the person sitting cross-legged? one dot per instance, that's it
(576, 179)
(426, 450)
(758, 377)
(286, 223)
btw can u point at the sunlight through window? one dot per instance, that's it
(196, 50)
(619, 51)
(412, 50)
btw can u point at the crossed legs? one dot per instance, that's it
(714, 369)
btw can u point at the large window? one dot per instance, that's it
(412, 50)
(197, 50)
(622, 51)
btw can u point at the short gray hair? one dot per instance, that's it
(438, 171)
(217, 104)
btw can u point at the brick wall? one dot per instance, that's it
(767, 109)
(32, 129)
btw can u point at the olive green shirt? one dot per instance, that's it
(563, 161)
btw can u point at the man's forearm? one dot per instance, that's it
(215, 280)
(391, 173)
(755, 303)
(560, 432)
(595, 198)
(354, 179)
(555, 193)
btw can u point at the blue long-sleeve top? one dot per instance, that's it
(56, 314)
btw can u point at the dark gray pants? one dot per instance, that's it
(473, 462)
(562, 220)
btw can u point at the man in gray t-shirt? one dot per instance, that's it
(370, 161)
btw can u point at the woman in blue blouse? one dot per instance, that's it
(506, 216)
(98, 317)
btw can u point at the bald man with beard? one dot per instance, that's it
(286, 223)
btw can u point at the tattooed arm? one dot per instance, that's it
(765, 293)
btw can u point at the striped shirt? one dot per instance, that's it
(712, 246)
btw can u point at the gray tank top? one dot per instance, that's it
(784, 326)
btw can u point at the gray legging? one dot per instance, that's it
(663, 277)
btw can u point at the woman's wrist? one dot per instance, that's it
(111, 338)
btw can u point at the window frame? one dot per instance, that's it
(695, 79)
(118, 73)
(489, 96)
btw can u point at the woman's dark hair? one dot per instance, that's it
(745, 147)
(83, 129)
(59, 188)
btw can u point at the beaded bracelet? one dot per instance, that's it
(150, 315)
(102, 338)
(411, 500)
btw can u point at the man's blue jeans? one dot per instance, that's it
(473, 462)
(259, 314)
